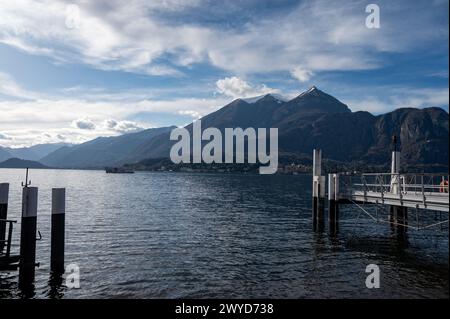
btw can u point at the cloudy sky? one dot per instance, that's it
(74, 70)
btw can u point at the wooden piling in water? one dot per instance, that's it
(4, 195)
(318, 192)
(27, 261)
(58, 230)
(336, 198)
(331, 203)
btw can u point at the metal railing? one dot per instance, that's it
(8, 240)
(419, 190)
(422, 185)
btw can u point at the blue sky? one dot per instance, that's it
(74, 70)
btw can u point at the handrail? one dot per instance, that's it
(8, 241)
(422, 184)
(8, 221)
(389, 174)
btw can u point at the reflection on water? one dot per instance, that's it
(173, 235)
(56, 286)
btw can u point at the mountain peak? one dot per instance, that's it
(313, 91)
(315, 100)
(269, 96)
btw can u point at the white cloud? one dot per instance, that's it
(236, 87)
(301, 74)
(10, 88)
(405, 97)
(122, 126)
(83, 124)
(191, 113)
(4, 137)
(82, 113)
(420, 98)
(58, 118)
(318, 35)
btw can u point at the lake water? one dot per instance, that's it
(182, 235)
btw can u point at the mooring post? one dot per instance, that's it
(331, 203)
(321, 205)
(318, 190)
(58, 229)
(315, 201)
(336, 199)
(402, 219)
(398, 214)
(395, 170)
(27, 262)
(4, 194)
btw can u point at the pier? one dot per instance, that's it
(395, 193)
(418, 191)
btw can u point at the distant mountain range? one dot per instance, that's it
(104, 151)
(33, 153)
(20, 163)
(314, 119)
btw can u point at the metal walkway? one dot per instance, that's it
(420, 191)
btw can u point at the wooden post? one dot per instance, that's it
(4, 194)
(27, 262)
(58, 229)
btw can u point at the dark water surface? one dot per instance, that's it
(181, 235)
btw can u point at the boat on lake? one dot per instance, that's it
(118, 170)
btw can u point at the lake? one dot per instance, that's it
(195, 235)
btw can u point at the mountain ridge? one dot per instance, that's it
(21, 163)
(101, 151)
(313, 119)
(32, 153)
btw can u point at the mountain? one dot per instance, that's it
(267, 111)
(278, 98)
(4, 154)
(423, 135)
(315, 119)
(20, 163)
(270, 111)
(35, 152)
(103, 151)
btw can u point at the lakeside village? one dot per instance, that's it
(290, 165)
(167, 166)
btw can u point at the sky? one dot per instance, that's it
(71, 71)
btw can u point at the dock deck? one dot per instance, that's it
(437, 202)
(420, 191)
